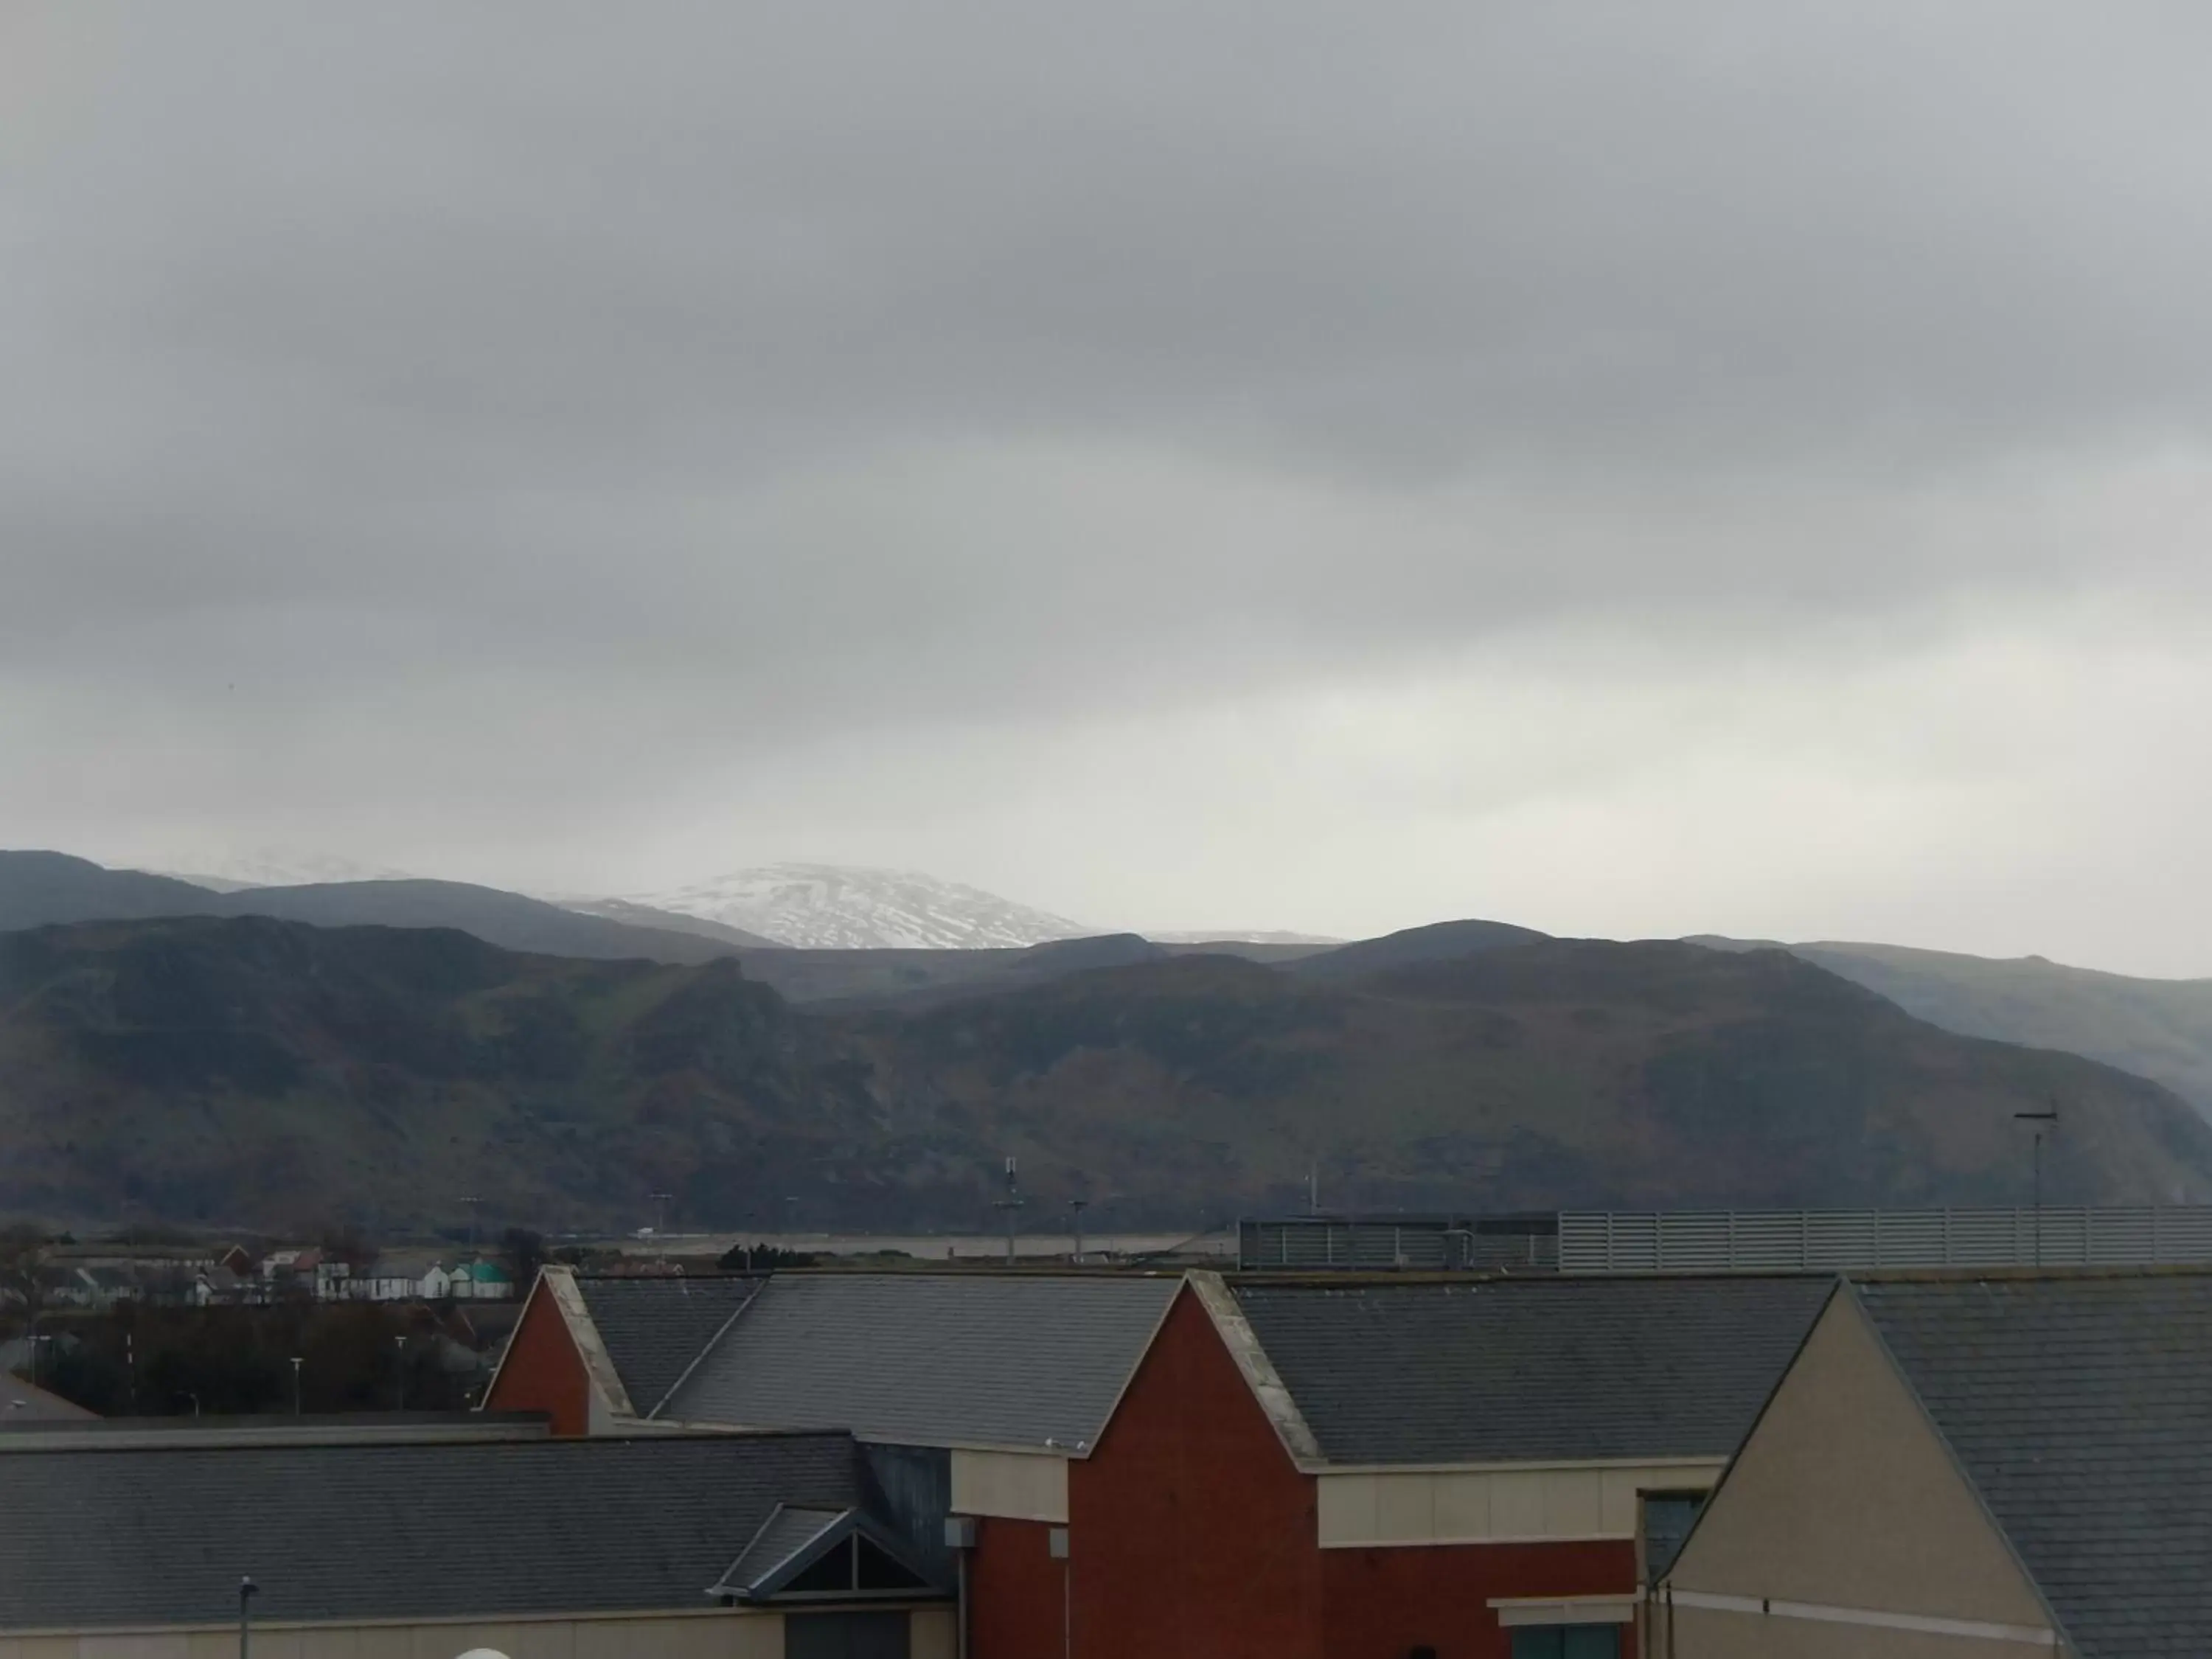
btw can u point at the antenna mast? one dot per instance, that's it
(1012, 1204)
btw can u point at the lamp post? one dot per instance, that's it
(1011, 1205)
(295, 1384)
(2038, 1119)
(1077, 1205)
(399, 1373)
(247, 1589)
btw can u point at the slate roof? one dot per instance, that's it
(1531, 1370)
(2082, 1408)
(105, 1538)
(23, 1405)
(931, 1360)
(785, 1533)
(653, 1328)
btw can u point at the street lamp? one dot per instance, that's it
(295, 1385)
(247, 1589)
(2038, 1119)
(1011, 1205)
(399, 1373)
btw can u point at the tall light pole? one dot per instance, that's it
(1012, 1204)
(2038, 1119)
(662, 1199)
(295, 1385)
(1077, 1206)
(400, 1372)
(247, 1589)
(476, 1210)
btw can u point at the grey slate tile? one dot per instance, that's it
(2081, 1407)
(1536, 1370)
(162, 1535)
(932, 1359)
(653, 1328)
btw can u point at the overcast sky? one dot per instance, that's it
(1624, 469)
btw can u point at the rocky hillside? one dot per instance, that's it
(249, 1070)
(39, 888)
(2160, 1028)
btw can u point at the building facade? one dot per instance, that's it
(2003, 1465)
(725, 1547)
(1215, 1468)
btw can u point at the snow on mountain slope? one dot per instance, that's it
(267, 866)
(828, 907)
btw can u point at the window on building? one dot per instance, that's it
(1566, 1642)
(1668, 1516)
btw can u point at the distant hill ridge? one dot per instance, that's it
(41, 888)
(245, 1069)
(2157, 1028)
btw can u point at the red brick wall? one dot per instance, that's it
(1192, 1533)
(543, 1371)
(1381, 1603)
(1014, 1592)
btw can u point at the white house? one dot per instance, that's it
(484, 1281)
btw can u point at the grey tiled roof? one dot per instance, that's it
(653, 1328)
(788, 1531)
(2081, 1407)
(931, 1360)
(93, 1538)
(23, 1405)
(1531, 1370)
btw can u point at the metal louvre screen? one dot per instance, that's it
(1306, 1245)
(1769, 1240)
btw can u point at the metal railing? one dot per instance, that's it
(1306, 1245)
(1843, 1241)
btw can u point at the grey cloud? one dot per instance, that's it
(704, 380)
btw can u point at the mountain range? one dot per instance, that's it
(38, 889)
(827, 907)
(2158, 1028)
(859, 1013)
(244, 1070)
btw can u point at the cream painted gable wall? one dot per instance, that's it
(1496, 1506)
(1845, 1497)
(1013, 1486)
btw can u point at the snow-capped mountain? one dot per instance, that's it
(830, 906)
(267, 866)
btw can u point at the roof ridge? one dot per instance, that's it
(1850, 1293)
(721, 1330)
(1268, 1389)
